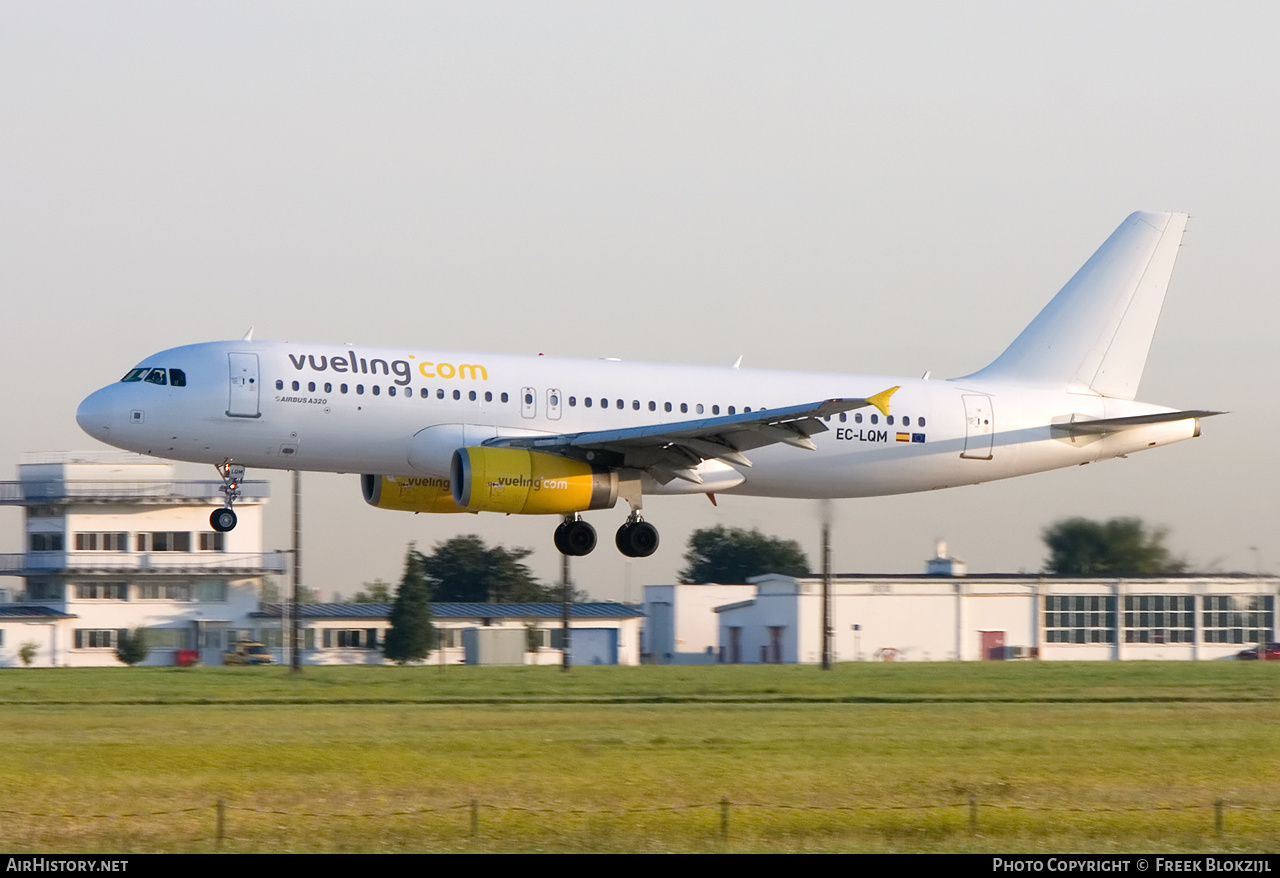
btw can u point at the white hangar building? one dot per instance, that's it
(961, 618)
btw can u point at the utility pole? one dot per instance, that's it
(826, 591)
(295, 650)
(566, 602)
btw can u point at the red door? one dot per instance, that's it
(992, 645)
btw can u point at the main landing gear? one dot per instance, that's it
(636, 538)
(575, 536)
(224, 519)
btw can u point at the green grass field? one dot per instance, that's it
(1057, 756)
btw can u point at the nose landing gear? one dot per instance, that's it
(224, 519)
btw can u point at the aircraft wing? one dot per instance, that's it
(674, 450)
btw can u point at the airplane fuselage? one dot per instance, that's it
(397, 412)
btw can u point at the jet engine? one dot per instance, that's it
(515, 480)
(408, 493)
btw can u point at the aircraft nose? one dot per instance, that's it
(94, 415)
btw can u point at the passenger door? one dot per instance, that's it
(243, 398)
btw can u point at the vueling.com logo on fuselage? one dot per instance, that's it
(355, 364)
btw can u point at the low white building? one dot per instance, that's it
(981, 617)
(601, 633)
(681, 626)
(114, 542)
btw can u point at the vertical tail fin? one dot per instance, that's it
(1095, 334)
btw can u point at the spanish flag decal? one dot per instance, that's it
(904, 437)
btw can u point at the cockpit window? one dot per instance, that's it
(156, 375)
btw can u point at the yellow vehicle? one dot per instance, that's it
(247, 652)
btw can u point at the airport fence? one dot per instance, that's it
(223, 825)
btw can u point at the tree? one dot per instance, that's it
(465, 569)
(27, 652)
(131, 646)
(732, 555)
(1118, 547)
(378, 592)
(411, 636)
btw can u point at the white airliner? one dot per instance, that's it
(452, 432)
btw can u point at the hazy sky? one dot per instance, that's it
(886, 188)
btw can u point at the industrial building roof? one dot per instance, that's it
(21, 611)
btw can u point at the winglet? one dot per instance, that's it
(881, 399)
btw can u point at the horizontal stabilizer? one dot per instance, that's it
(1101, 426)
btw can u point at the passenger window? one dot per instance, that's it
(715, 410)
(488, 396)
(635, 404)
(342, 388)
(844, 416)
(906, 422)
(311, 387)
(875, 419)
(504, 396)
(328, 388)
(279, 384)
(857, 417)
(472, 396)
(699, 408)
(295, 385)
(620, 404)
(573, 402)
(440, 393)
(586, 400)
(732, 410)
(457, 394)
(177, 378)
(653, 406)
(391, 391)
(889, 420)
(359, 389)
(424, 393)
(666, 406)
(919, 422)
(684, 408)
(376, 390)
(156, 376)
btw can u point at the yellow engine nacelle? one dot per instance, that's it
(408, 493)
(515, 480)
